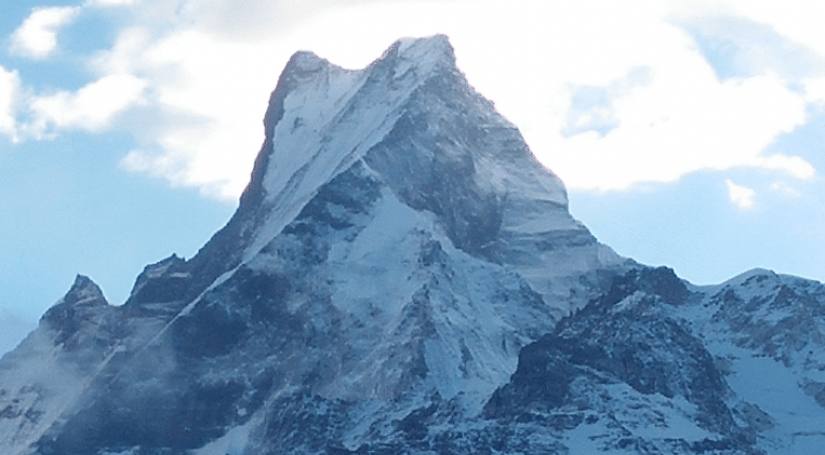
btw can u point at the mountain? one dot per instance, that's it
(656, 365)
(402, 276)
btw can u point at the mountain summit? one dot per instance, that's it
(401, 276)
(412, 122)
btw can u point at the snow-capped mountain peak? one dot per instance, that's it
(403, 276)
(411, 118)
(397, 245)
(306, 63)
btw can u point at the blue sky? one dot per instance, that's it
(689, 135)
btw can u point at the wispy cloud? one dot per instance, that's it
(9, 94)
(743, 197)
(785, 189)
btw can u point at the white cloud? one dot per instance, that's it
(679, 119)
(9, 94)
(684, 121)
(208, 68)
(793, 166)
(741, 196)
(90, 108)
(37, 35)
(815, 90)
(108, 3)
(211, 106)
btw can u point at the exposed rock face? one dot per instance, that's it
(402, 276)
(626, 361)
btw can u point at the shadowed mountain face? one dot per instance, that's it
(402, 276)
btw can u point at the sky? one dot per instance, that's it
(688, 133)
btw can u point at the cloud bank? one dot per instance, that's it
(608, 95)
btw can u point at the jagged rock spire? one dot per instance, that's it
(84, 302)
(84, 292)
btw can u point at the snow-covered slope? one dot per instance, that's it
(659, 366)
(768, 333)
(402, 276)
